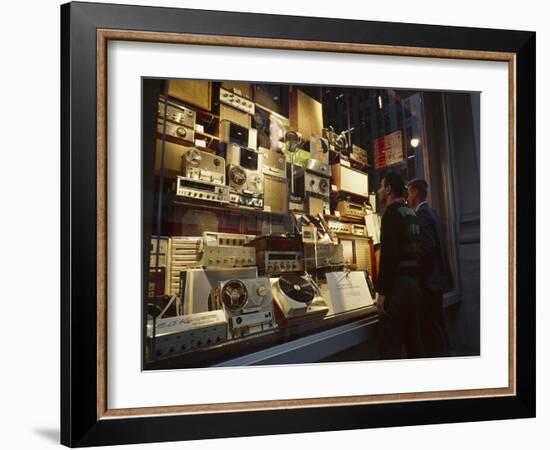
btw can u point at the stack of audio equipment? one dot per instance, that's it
(275, 180)
(179, 120)
(203, 177)
(235, 108)
(313, 183)
(245, 176)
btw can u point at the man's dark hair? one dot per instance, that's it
(395, 182)
(421, 186)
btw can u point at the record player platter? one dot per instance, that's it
(297, 288)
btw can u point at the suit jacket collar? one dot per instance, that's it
(421, 205)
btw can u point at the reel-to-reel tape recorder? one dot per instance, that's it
(248, 305)
(203, 166)
(244, 174)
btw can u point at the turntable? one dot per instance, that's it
(296, 296)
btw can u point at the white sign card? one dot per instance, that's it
(347, 291)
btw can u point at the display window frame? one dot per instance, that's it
(85, 418)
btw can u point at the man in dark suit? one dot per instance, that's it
(433, 271)
(397, 284)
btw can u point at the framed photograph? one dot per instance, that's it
(279, 224)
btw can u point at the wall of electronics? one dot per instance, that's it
(268, 217)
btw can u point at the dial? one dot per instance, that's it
(181, 132)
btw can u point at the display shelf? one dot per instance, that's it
(286, 334)
(225, 208)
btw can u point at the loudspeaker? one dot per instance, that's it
(306, 114)
(234, 115)
(193, 92)
(275, 194)
(350, 180)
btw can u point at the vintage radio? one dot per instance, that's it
(358, 155)
(235, 116)
(317, 167)
(273, 162)
(203, 166)
(235, 134)
(339, 227)
(211, 192)
(274, 261)
(323, 255)
(245, 182)
(350, 209)
(275, 194)
(177, 131)
(236, 101)
(176, 335)
(176, 113)
(248, 305)
(311, 184)
(358, 230)
(183, 253)
(319, 148)
(196, 286)
(349, 180)
(297, 296)
(194, 92)
(306, 114)
(227, 250)
(161, 244)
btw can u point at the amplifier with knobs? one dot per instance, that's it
(173, 336)
(178, 131)
(177, 113)
(236, 101)
(211, 192)
(227, 250)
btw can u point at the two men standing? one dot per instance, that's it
(414, 272)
